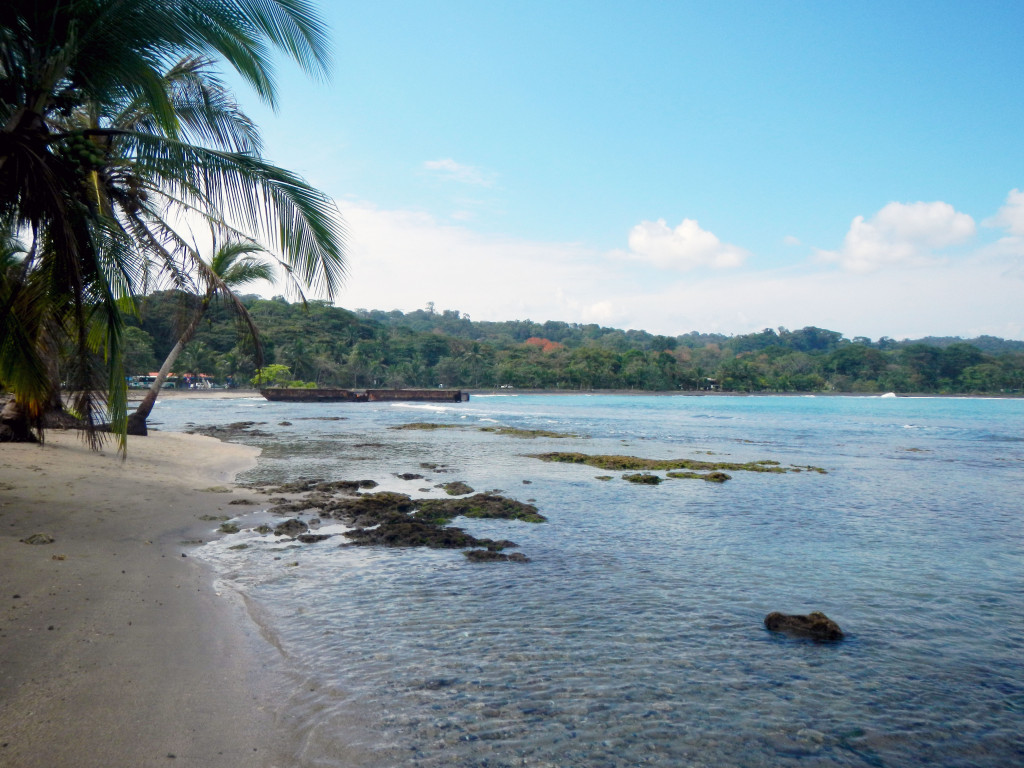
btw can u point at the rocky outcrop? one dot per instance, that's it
(815, 625)
(291, 528)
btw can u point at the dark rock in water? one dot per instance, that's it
(312, 538)
(481, 505)
(642, 479)
(488, 556)
(408, 532)
(455, 488)
(815, 625)
(263, 529)
(370, 508)
(346, 486)
(291, 528)
(239, 428)
(228, 528)
(409, 476)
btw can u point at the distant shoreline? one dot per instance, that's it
(135, 395)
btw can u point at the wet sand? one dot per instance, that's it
(115, 650)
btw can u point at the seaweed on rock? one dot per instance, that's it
(481, 505)
(410, 532)
(607, 461)
(642, 479)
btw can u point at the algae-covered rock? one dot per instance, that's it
(369, 508)
(815, 625)
(229, 528)
(291, 528)
(480, 505)
(711, 477)
(642, 479)
(527, 433)
(611, 461)
(455, 488)
(419, 533)
(490, 556)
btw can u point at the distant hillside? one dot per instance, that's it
(337, 347)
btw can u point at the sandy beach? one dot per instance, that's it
(115, 647)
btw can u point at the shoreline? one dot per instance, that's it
(118, 648)
(135, 395)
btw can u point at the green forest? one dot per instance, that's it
(332, 347)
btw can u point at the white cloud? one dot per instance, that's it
(449, 170)
(685, 247)
(403, 259)
(791, 240)
(901, 234)
(1011, 215)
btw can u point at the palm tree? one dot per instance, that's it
(111, 116)
(234, 264)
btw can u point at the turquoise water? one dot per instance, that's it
(634, 636)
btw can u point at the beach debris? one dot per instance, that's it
(39, 538)
(455, 488)
(815, 625)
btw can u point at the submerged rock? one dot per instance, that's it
(312, 538)
(488, 556)
(815, 625)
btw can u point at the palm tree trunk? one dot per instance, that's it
(137, 420)
(15, 425)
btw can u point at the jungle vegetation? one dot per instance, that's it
(330, 346)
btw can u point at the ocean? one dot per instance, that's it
(634, 636)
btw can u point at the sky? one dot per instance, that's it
(673, 166)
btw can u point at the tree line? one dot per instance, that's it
(334, 347)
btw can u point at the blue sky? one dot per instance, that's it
(674, 166)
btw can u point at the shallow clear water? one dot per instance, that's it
(634, 636)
